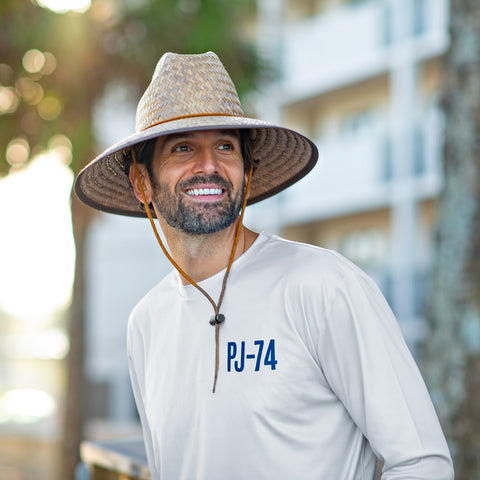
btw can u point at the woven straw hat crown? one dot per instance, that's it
(194, 92)
(198, 85)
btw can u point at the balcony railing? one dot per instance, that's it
(354, 42)
(357, 172)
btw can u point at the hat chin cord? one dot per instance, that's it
(218, 318)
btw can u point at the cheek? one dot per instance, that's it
(237, 172)
(168, 178)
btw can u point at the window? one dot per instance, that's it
(418, 160)
(419, 26)
(387, 160)
(366, 247)
(355, 2)
(387, 28)
(421, 282)
(357, 123)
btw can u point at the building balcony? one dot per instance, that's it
(358, 173)
(355, 42)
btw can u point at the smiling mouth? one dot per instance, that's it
(202, 192)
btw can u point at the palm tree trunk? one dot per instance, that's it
(452, 350)
(74, 403)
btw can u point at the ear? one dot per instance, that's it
(245, 182)
(145, 179)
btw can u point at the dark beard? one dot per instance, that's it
(198, 219)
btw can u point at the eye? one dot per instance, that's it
(226, 146)
(181, 148)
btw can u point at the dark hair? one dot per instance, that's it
(246, 144)
(144, 152)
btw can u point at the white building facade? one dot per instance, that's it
(362, 79)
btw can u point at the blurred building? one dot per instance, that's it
(124, 262)
(362, 78)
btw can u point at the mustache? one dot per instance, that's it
(214, 178)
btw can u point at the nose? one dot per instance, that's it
(206, 162)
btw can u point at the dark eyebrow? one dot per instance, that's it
(174, 136)
(233, 133)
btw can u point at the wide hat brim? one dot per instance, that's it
(282, 157)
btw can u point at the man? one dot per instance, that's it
(255, 357)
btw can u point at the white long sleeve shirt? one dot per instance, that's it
(315, 380)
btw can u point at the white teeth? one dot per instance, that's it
(204, 191)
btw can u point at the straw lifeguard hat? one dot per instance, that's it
(194, 92)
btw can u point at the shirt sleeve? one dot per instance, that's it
(135, 351)
(370, 369)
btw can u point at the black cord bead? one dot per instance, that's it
(218, 318)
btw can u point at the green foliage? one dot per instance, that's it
(113, 39)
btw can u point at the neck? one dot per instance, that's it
(202, 256)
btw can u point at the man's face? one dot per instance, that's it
(198, 180)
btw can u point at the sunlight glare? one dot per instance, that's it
(33, 61)
(52, 344)
(25, 405)
(37, 250)
(64, 6)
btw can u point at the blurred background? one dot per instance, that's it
(388, 89)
